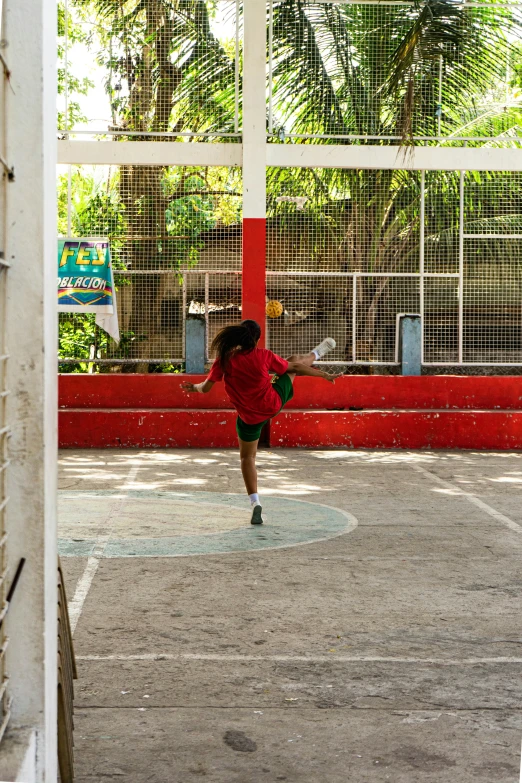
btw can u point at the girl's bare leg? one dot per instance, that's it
(305, 358)
(247, 455)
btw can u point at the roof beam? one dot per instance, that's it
(149, 153)
(349, 156)
(352, 156)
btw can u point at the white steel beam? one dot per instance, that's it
(32, 622)
(164, 153)
(149, 153)
(394, 157)
(422, 270)
(461, 268)
(254, 162)
(254, 109)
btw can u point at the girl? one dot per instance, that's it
(255, 395)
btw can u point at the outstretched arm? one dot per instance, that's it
(203, 388)
(305, 369)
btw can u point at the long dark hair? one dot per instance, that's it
(237, 337)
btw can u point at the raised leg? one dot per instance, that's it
(305, 358)
(247, 455)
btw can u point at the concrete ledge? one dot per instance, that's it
(372, 429)
(18, 757)
(358, 391)
(172, 428)
(393, 429)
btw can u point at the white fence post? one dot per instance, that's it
(421, 256)
(30, 33)
(461, 267)
(254, 165)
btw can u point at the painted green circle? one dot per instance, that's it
(145, 523)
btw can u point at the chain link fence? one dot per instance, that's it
(347, 250)
(444, 244)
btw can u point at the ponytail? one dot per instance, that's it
(240, 337)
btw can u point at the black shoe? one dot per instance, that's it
(256, 518)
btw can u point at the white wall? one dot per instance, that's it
(30, 33)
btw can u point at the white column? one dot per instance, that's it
(254, 109)
(461, 269)
(421, 256)
(32, 370)
(254, 160)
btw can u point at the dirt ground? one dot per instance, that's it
(369, 631)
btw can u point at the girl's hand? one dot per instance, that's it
(200, 388)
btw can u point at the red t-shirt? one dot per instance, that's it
(248, 383)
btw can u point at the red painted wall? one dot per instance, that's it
(412, 429)
(135, 391)
(350, 391)
(147, 429)
(151, 411)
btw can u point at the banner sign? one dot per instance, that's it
(86, 282)
(84, 275)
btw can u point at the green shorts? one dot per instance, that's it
(284, 387)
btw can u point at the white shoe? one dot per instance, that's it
(325, 347)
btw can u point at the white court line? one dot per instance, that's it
(85, 581)
(502, 518)
(296, 659)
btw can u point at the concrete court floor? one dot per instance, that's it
(392, 652)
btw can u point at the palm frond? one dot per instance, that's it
(303, 60)
(460, 51)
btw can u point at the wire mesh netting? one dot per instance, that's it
(175, 236)
(215, 295)
(492, 204)
(363, 246)
(391, 71)
(492, 267)
(314, 306)
(441, 320)
(152, 70)
(492, 291)
(336, 70)
(347, 250)
(345, 259)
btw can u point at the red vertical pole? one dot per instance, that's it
(254, 271)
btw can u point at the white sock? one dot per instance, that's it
(315, 354)
(254, 499)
